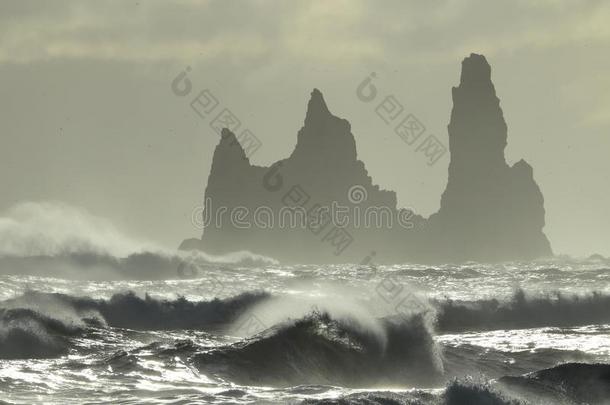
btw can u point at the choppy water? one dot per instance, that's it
(288, 334)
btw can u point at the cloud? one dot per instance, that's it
(331, 32)
(120, 31)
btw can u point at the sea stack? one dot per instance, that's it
(489, 212)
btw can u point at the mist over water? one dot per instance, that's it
(166, 326)
(55, 228)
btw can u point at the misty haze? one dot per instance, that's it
(305, 202)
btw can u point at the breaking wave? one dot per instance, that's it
(25, 334)
(52, 239)
(39, 325)
(55, 229)
(319, 349)
(564, 384)
(127, 310)
(521, 311)
(136, 266)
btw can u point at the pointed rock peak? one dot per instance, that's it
(475, 69)
(230, 144)
(316, 108)
(227, 137)
(522, 165)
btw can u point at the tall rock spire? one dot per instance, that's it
(477, 130)
(316, 108)
(489, 211)
(228, 164)
(323, 135)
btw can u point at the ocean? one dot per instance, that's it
(252, 331)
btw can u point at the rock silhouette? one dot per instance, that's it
(489, 211)
(319, 205)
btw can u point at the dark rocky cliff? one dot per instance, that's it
(489, 212)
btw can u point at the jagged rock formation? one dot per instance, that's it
(489, 211)
(283, 201)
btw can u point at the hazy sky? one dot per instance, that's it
(88, 117)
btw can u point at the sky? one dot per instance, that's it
(88, 117)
